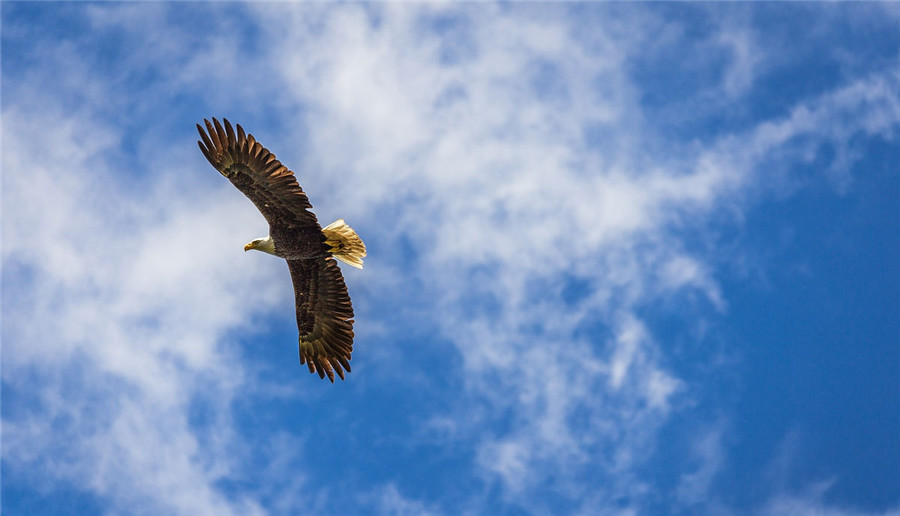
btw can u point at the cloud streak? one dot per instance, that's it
(524, 211)
(484, 137)
(111, 294)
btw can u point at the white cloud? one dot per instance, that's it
(493, 180)
(391, 501)
(709, 454)
(498, 177)
(811, 502)
(534, 251)
(746, 57)
(121, 302)
(502, 193)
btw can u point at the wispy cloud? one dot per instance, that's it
(811, 501)
(480, 131)
(97, 304)
(520, 203)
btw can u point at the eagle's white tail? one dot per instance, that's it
(345, 244)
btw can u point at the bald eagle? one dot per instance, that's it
(324, 312)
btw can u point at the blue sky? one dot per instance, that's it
(623, 259)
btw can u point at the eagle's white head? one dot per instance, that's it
(266, 245)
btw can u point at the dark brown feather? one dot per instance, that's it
(257, 174)
(324, 311)
(324, 316)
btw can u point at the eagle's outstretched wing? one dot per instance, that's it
(258, 174)
(324, 312)
(324, 316)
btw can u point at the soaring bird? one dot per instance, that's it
(324, 312)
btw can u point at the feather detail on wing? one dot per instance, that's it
(257, 173)
(324, 316)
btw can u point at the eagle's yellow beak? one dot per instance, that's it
(265, 245)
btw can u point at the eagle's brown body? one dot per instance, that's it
(299, 243)
(324, 312)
